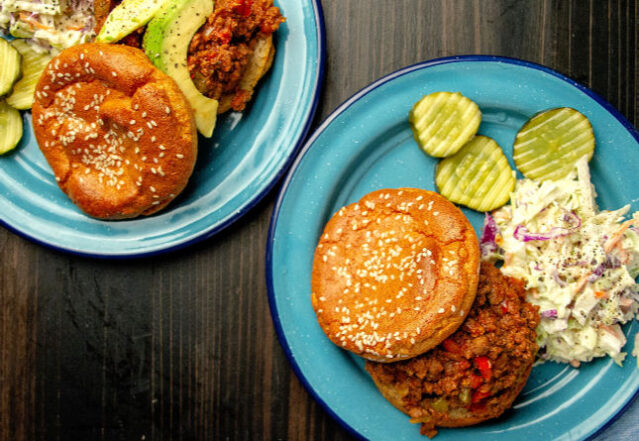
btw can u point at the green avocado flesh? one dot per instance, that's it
(166, 43)
(127, 17)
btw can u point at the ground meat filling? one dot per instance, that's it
(221, 49)
(478, 365)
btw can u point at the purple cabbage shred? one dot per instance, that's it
(487, 242)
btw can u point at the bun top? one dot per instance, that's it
(394, 274)
(117, 132)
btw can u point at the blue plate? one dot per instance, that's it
(367, 144)
(246, 156)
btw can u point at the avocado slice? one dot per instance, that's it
(166, 43)
(126, 18)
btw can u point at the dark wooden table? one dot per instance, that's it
(182, 346)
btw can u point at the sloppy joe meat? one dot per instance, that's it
(480, 362)
(221, 49)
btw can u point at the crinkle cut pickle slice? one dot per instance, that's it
(477, 176)
(550, 143)
(443, 122)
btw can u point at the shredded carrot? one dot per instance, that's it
(617, 235)
(33, 22)
(582, 282)
(602, 294)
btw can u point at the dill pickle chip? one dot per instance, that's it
(33, 65)
(10, 127)
(443, 122)
(9, 66)
(550, 143)
(477, 176)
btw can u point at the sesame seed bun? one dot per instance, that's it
(394, 274)
(117, 132)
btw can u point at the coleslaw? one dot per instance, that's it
(48, 25)
(579, 264)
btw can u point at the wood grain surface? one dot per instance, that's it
(181, 346)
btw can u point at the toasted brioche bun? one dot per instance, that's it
(260, 62)
(101, 9)
(500, 329)
(394, 274)
(117, 132)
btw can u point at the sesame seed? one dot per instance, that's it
(132, 122)
(441, 310)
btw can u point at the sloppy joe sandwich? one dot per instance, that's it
(117, 132)
(476, 373)
(229, 54)
(394, 274)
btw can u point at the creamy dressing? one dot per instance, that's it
(579, 265)
(48, 25)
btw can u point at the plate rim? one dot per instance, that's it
(324, 125)
(251, 202)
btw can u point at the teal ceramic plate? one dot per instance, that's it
(367, 144)
(246, 156)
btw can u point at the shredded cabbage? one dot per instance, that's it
(48, 25)
(579, 265)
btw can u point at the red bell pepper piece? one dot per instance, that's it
(475, 381)
(451, 346)
(243, 8)
(478, 396)
(484, 366)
